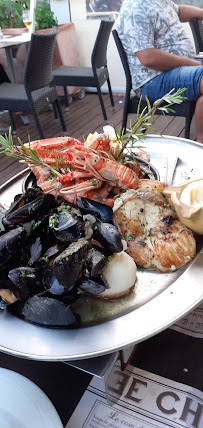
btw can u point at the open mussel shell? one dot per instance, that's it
(40, 205)
(29, 181)
(67, 224)
(97, 209)
(149, 171)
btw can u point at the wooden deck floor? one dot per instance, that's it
(84, 116)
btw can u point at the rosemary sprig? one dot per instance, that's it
(136, 133)
(8, 148)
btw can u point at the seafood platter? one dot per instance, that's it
(97, 252)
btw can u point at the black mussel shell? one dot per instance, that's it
(42, 204)
(35, 250)
(15, 205)
(148, 170)
(68, 266)
(51, 283)
(67, 226)
(108, 236)
(30, 181)
(11, 246)
(25, 280)
(99, 210)
(92, 286)
(53, 251)
(38, 238)
(32, 194)
(48, 312)
(96, 262)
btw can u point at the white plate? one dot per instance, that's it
(23, 404)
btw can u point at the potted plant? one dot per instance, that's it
(11, 16)
(44, 17)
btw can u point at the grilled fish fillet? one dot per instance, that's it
(156, 239)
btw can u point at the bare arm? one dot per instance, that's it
(185, 13)
(156, 59)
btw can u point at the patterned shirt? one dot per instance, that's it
(144, 24)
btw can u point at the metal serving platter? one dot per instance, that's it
(157, 301)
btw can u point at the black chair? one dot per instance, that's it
(94, 76)
(196, 26)
(38, 90)
(186, 109)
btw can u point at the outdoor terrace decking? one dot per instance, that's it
(84, 116)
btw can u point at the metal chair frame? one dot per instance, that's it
(94, 76)
(38, 90)
(186, 109)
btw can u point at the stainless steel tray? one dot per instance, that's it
(158, 301)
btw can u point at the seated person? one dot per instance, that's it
(159, 52)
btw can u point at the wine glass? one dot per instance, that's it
(26, 15)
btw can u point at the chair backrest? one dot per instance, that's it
(124, 60)
(38, 66)
(99, 53)
(186, 109)
(197, 30)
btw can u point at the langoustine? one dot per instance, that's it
(156, 239)
(88, 169)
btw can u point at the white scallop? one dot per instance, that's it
(120, 274)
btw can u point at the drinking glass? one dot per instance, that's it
(27, 19)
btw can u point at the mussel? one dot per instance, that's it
(99, 210)
(11, 246)
(51, 283)
(96, 262)
(68, 266)
(45, 311)
(108, 236)
(26, 281)
(92, 286)
(67, 224)
(42, 204)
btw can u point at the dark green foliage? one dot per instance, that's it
(11, 14)
(44, 17)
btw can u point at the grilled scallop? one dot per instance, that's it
(156, 239)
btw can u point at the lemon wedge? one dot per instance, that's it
(187, 199)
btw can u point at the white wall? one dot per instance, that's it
(61, 10)
(86, 31)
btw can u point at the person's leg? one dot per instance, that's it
(199, 115)
(190, 78)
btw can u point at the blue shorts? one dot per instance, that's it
(180, 77)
